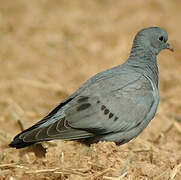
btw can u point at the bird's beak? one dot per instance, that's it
(168, 46)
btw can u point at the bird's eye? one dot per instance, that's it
(161, 38)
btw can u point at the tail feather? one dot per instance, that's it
(30, 136)
(57, 130)
(19, 143)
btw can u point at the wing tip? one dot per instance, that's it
(19, 143)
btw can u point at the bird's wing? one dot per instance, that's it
(111, 108)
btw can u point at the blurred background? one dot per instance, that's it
(49, 48)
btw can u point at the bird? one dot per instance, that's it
(114, 105)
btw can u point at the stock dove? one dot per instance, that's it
(114, 105)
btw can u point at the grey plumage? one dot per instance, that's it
(114, 105)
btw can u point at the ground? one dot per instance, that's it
(48, 49)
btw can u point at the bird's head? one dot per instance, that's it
(152, 38)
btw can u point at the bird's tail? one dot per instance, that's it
(46, 132)
(19, 143)
(46, 129)
(28, 137)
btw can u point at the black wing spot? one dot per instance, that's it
(82, 99)
(98, 102)
(103, 107)
(111, 115)
(106, 111)
(116, 118)
(83, 106)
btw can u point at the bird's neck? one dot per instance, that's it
(146, 61)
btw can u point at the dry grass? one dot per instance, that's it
(47, 49)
